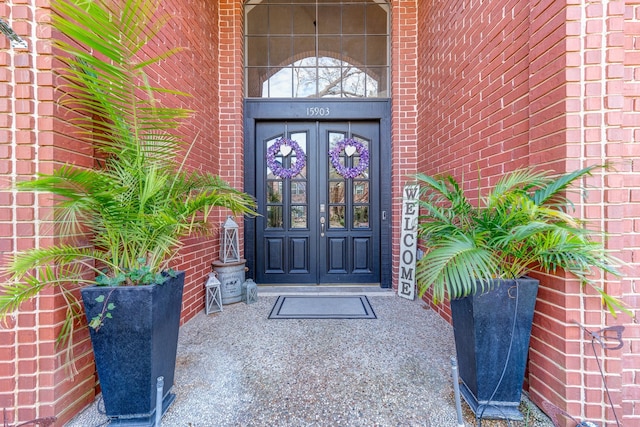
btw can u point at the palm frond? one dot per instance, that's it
(60, 255)
(15, 294)
(134, 209)
(105, 74)
(521, 225)
(559, 184)
(455, 268)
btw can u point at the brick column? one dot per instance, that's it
(35, 382)
(404, 123)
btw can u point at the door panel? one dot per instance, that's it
(275, 255)
(352, 241)
(299, 255)
(337, 255)
(319, 219)
(361, 258)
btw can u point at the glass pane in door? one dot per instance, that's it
(286, 183)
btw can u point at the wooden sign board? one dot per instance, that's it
(408, 242)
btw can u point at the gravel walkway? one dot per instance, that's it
(237, 368)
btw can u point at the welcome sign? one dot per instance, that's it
(408, 242)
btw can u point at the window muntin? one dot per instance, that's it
(317, 49)
(287, 195)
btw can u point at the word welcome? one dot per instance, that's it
(408, 242)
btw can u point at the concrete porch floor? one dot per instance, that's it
(238, 368)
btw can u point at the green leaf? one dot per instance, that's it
(95, 322)
(123, 222)
(522, 224)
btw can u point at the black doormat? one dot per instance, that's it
(322, 307)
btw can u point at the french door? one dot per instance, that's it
(317, 188)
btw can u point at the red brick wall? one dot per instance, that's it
(33, 381)
(624, 190)
(230, 75)
(195, 70)
(473, 98)
(555, 346)
(34, 137)
(404, 78)
(476, 86)
(513, 83)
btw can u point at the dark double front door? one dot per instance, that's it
(317, 187)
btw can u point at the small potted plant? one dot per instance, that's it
(479, 257)
(130, 212)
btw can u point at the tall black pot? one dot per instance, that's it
(135, 346)
(492, 350)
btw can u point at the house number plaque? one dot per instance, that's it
(318, 111)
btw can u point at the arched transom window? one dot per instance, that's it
(317, 49)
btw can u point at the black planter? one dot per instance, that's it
(135, 346)
(486, 341)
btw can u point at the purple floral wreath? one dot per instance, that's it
(276, 167)
(360, 149)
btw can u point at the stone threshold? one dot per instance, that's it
(356, 289)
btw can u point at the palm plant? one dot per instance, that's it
(139, 203)
(522, 225)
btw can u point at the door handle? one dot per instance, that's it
(322, 221)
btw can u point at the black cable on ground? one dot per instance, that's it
(102, 411)
(601, 337)
(604, 382)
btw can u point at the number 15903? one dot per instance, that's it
(318, 111)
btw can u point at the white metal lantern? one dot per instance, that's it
(213, 302)
(230, 244)
(249, 291)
